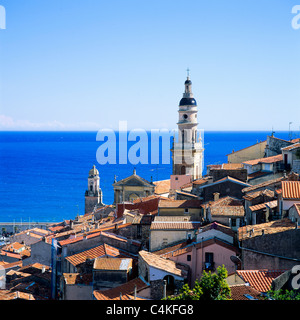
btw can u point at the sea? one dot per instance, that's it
(43, 175)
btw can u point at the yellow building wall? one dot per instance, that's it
(256, 151)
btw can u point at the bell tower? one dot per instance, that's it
(93, 195)
(187, 152)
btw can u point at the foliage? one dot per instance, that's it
(209, 287)
(283, 295)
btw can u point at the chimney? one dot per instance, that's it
(216, 196)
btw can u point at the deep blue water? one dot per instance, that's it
(43, 175)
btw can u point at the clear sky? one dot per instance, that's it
(85, 65)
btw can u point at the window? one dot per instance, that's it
(209, 261)
(186, 210)
(233, 222)
(188, 257)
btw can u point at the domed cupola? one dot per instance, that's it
(188, 98)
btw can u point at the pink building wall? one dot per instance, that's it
(221, 257)
(179, 180)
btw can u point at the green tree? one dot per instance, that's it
(209, 287)
(283, 295)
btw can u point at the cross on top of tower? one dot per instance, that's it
(188, 72)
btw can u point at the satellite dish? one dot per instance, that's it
(235, 259)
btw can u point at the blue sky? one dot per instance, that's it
(85, 65)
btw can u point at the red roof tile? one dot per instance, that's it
(124, 289)
(260, 280)
(243, 292)
(291, 190)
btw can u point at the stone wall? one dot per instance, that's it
(274, 146)
(296, 166)
(240, 174)
(226, 188)
(283, 246)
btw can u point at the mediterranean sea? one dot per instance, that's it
(43, 175)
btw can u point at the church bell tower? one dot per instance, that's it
(187, 152)
(93, 195)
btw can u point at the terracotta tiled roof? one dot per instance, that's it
(291, 190)
(180, 204)
(100, 251)
(260, 206)
(243, 292)
(264, 184)
(175, 225)
(292, 147)
(9, 295)
(253, 195)
(160, 263)
(125, 289)
(76, 278)
(226, 166)
(260, 280)
(10, 254)
(200, 181)
(232, 166)
(6, 265)
(145, 205)
(167, 250)
(276, 226)
(112, 264)
(162, 186)
(225, 206)
(218, 226)
(257, 174)
(272, 159)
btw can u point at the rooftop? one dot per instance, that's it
(162, 186)
(125, 289)
(260, 206)
(93, 253)
(255, 194)
(272, 227)
(264, 184)
(291, 147)
(291, 190)
(272, 159)
(112, 264)
(244, 292)
(180, 204)
(157, 262)
(260, 280)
